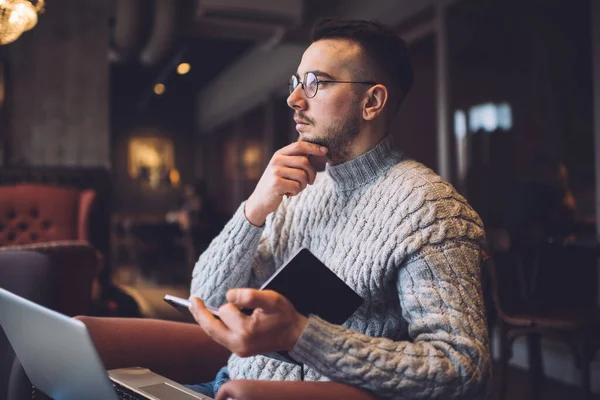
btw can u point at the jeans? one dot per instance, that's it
(211, 388)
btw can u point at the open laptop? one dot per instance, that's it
(59, 358)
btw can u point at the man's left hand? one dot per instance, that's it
(274, 324)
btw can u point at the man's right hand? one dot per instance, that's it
(288, 173)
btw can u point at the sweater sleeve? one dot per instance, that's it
(447, 356)
(239, 256)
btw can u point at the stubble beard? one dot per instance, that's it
(338, 139)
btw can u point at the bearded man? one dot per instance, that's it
(391, 228)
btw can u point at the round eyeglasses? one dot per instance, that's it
(311, 83)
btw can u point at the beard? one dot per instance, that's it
(337, 139)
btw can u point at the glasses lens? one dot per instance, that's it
(310, 84)
(293, 83)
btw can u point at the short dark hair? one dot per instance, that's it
(382, 46)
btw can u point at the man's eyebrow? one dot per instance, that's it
(321, 73)
(318, 74)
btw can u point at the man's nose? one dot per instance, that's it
(297, 100)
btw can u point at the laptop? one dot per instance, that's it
(60, 359)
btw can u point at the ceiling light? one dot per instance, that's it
(159, 88)
(183, 68)
(18, 16)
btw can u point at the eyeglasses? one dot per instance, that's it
(311, 83)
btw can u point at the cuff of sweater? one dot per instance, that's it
(314, 342)
(248, 234)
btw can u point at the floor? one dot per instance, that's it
(518, 388)
(148, 293)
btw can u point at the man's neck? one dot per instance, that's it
(365, 141)
(364, 168)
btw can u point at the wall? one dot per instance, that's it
(59, 88)
(537, 60)
(414, 128)
(236, 154)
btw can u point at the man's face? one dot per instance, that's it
(333, 117)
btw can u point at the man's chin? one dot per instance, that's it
(318, 141)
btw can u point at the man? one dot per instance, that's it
(388, 226)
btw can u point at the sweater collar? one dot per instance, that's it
(366, 167)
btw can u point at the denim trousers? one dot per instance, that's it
(211, 388)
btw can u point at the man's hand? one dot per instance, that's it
(274, 325)
(288, 173)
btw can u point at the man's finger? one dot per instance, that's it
(301, 163)
(211, 325)
(199, 310)
(292, 174)
(303, 149)
(232, 317)
(267, 300)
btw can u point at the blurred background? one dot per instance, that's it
(166, 112)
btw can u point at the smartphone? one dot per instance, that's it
(183, 306)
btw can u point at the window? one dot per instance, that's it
(488, 117)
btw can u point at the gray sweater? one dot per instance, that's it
(404, 240)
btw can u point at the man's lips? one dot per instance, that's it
(301, 124)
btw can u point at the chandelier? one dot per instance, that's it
(18, 16)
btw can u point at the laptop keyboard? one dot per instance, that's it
(126, 394)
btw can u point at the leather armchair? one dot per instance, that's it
(33, 213)
(185, 353)
(96, 179)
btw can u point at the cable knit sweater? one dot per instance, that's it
(403, 239)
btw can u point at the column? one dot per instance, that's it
(442, 101)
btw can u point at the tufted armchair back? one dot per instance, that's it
(33, 213)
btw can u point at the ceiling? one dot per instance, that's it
(146, 46)
(240, 51)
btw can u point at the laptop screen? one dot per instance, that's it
(55, 351)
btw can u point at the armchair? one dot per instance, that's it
(96, 179)
(522, 312)
(185, 353)
(33, 213)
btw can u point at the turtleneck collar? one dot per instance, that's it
(366, 167)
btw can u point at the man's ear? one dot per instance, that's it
(376, 99)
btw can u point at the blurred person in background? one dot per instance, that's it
(542, 207)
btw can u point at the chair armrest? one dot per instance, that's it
(180, 351)
(244, 389)
(74, 267)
